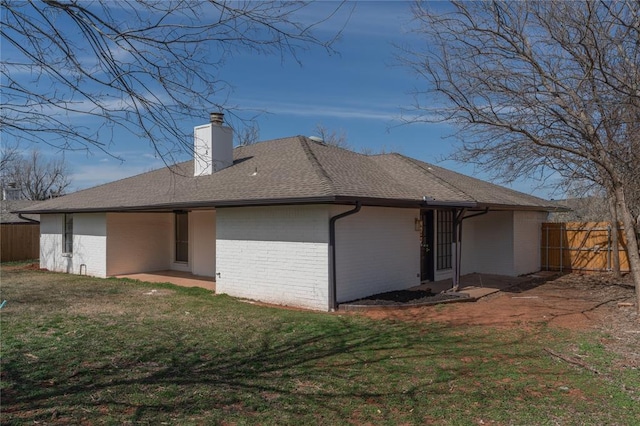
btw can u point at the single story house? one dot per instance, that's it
(294, 221)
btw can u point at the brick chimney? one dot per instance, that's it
(212, 146)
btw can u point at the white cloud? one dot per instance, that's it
(305, 109)
(89, 175)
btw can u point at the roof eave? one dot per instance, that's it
(164, 207)
(496, 206)
(461, 204)
(365, 201)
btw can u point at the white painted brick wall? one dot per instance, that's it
(502, 242)
(202, 226)
(487, 244)
(138, 242)
(274, 254)
(377, 250)
(51, 228)
(527, 230)
(89, 244)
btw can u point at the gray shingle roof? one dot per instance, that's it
(7, 207)
(295, 170)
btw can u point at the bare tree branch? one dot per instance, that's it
(539, 88)
(37, 178)
(8, 155)
(248, 135)
(139, 65)
(332, 137)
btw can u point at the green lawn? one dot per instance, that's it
(84, 350)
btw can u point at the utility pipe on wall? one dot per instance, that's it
(458, 243)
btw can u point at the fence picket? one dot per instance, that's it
(581, 246)
(19, 241)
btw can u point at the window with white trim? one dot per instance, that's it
(182, 237)
(67, 237)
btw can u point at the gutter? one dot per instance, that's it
(337, 199)
(457, 237)
(28, 219)
(333, 305)
(426, 202)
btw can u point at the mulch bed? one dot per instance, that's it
(406, 297)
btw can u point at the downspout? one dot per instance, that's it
(28, 219)
(457, 230)
(333, 305)
(457, 238)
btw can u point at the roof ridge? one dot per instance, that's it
(416, 163)
(315, 163)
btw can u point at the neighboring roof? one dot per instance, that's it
(9, 206)
(295, 170)
(585, 209)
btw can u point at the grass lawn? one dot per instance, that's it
(79, 350)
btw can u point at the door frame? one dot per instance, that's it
(427, 245)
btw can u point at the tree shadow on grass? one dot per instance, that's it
(285, 373)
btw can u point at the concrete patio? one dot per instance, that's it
(481, 285)
(475, 285)
(183, 279)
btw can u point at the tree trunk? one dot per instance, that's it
(632, 243)
(615, 253)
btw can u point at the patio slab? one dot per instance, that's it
(472, 288)
(183, 279)
(480, 285)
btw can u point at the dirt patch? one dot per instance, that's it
(35, 266)
(572, 301)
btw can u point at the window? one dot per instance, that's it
(67, 238)
(182, 236)
(445, 239)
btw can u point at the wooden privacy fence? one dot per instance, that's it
(581, 246)
(19, 241)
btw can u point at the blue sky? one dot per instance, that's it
(360, 91)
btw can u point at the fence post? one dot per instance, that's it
(562, 230)
(609, 249)
(547, 231)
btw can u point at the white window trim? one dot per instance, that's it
(66, 235)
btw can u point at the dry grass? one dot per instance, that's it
(78, 350)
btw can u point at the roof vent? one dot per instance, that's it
(316, 139)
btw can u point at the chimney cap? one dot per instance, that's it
(216, 118)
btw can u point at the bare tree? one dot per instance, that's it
(8, 154)
(248, 135)
(38, 178)
(538, 88)
(367, 150)
(144, 66)
(332, 137)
